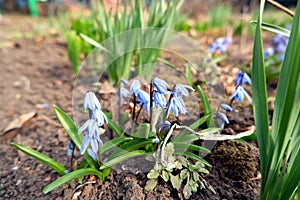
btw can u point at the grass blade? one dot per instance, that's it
(68, 177)
(41, 157)
(260, 100)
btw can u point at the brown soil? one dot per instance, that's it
(36, 73)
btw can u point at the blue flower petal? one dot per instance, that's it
(92, 154)
(226, 107)
(135, 87)
(160, 85)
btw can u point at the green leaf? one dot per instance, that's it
(71, 130)
(186, 135)
(273, 28)
(153, 174)
(68, 177)
(130, 146)
(176, 181)
(143, 131)
(41, 157)
(113, 126)
(259, 94)
(123, 157)
(191, 147)
(195, 176)
(184, 174)
(151, 184)
(286, 117)
(165, 175)
(192, 156)
(205, 105)
(113, 143)
(93, 42)
(187, 191)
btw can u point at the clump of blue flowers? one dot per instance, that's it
(277, 47)
(221, 44)
(91, 141)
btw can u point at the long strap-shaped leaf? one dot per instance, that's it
(71, 130)
(41, 157)
(68, 177)
(260, 100)
(286, 117)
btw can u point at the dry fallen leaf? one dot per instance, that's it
(16, 125)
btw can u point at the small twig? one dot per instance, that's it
(281, 7)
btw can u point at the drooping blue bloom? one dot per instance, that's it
(239, 94)
(226, 107)
(220, 120)
(220, 44)
(159, 99)
(281, 57)
(123, 94)
(90, 101)
(222, 117)
(68, 152)
(268, 52)
(92, 154)
(142, 96)
(71, 145)
(160, 85)
(99, 116)
(92, 137)
(166, 125)
(278, 46)
(135, 87)
(181, 89)
(176, 104)
(70, 148)
(155, 140)
(242, 78)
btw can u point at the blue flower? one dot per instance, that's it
(142, 96)
(155, 140)
(135, 87)
(160, 85)
(181, 89)
(166, 125)
(99, 116)
(222, 117)
(70, 148)
(268, 52)
(239, 94)
(242, 78)
(90, 101)
(226, 107)
(220, 44)
(68, 152)
(123, 94)
(92, 154)
(92, 137)
(71, 145)
(159, 100)
(220, 120)
(144, 100)
(176, 104)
